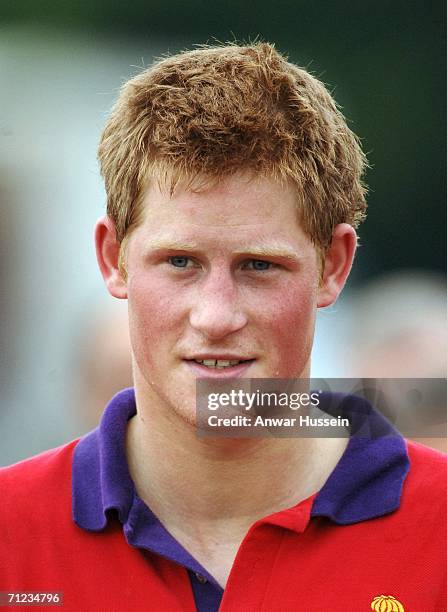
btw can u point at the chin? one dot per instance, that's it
(185, 414)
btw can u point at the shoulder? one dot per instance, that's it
(426, 484)
(427, 462)
(30, 484)
(43, 465)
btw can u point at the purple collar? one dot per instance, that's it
(102, 485)
(367, 481)
(101, 479)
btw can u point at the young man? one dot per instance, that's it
(234, 190)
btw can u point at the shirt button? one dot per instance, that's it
(201, 578)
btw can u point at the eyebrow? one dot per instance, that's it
(260, 249)
(270, 250)
(171, 244)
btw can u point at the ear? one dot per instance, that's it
(337, 264)
(107, 254)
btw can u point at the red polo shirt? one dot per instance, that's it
(72, 522)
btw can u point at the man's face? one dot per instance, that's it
(225, 274)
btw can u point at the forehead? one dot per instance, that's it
(237, 208)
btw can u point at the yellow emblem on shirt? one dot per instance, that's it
(386, 603)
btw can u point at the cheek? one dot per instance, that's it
(154, 313)
(291, 321)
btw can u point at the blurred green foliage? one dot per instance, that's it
(385, 62)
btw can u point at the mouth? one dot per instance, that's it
(217, 367)
(220, 363)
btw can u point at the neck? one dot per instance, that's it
(198, 482)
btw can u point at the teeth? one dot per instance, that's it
(223, 363)
(209, 362)
(218, 363)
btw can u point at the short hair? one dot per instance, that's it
(207, 114)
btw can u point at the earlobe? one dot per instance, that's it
(337, 264)
(107, 254)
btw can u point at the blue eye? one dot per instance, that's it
(260, 265)
(178, 261)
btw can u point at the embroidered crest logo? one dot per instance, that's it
(386, 603)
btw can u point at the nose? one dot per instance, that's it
(216, 311)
